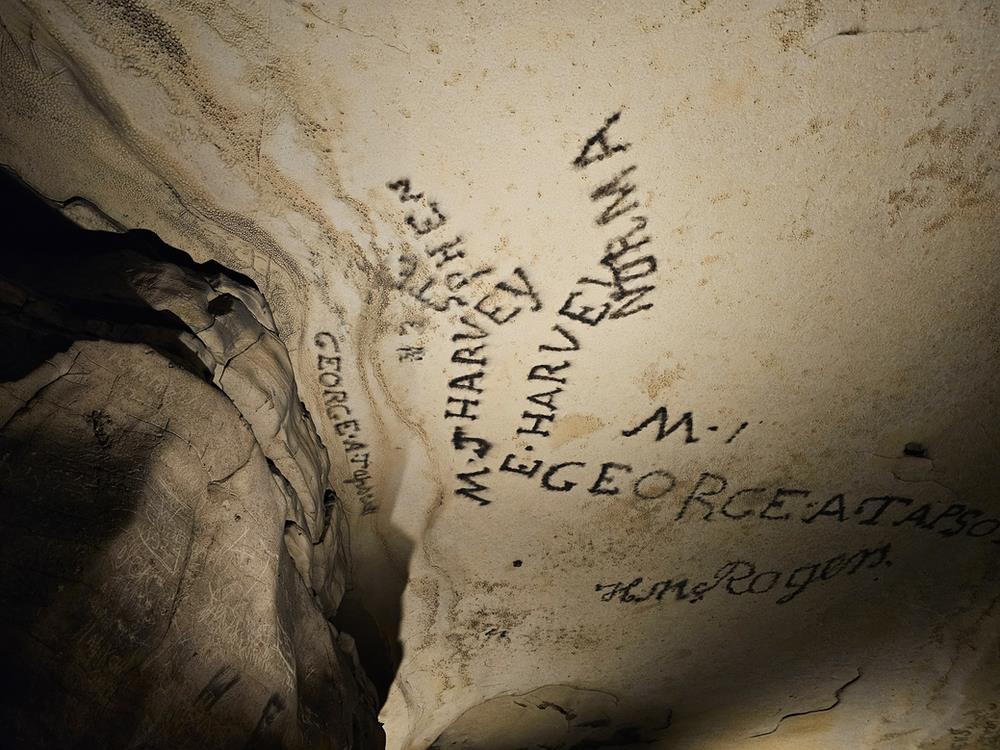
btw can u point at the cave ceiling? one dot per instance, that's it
(627, 372)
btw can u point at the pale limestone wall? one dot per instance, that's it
(818, 184)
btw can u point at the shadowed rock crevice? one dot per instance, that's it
(173, 559)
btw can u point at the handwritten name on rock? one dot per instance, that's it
(742, 577)
(347, 426)
(449, 286)
(623, 280)
(713, 498)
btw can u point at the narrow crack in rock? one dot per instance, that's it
(836, 702)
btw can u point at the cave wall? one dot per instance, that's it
(651, 347)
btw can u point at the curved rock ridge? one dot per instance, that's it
(234, 336)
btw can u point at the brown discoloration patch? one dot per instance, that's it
(955, 176)
(793, 22)
(767, 362)
(726, 93)
(815, 125)
(573, 427)
(155, 33)
(693, 7)
(937, 224)
(655, 380)
(957, 138)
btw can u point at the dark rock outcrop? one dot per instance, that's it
(172, 555)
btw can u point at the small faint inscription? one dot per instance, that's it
(329, 363)
(742, 577)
